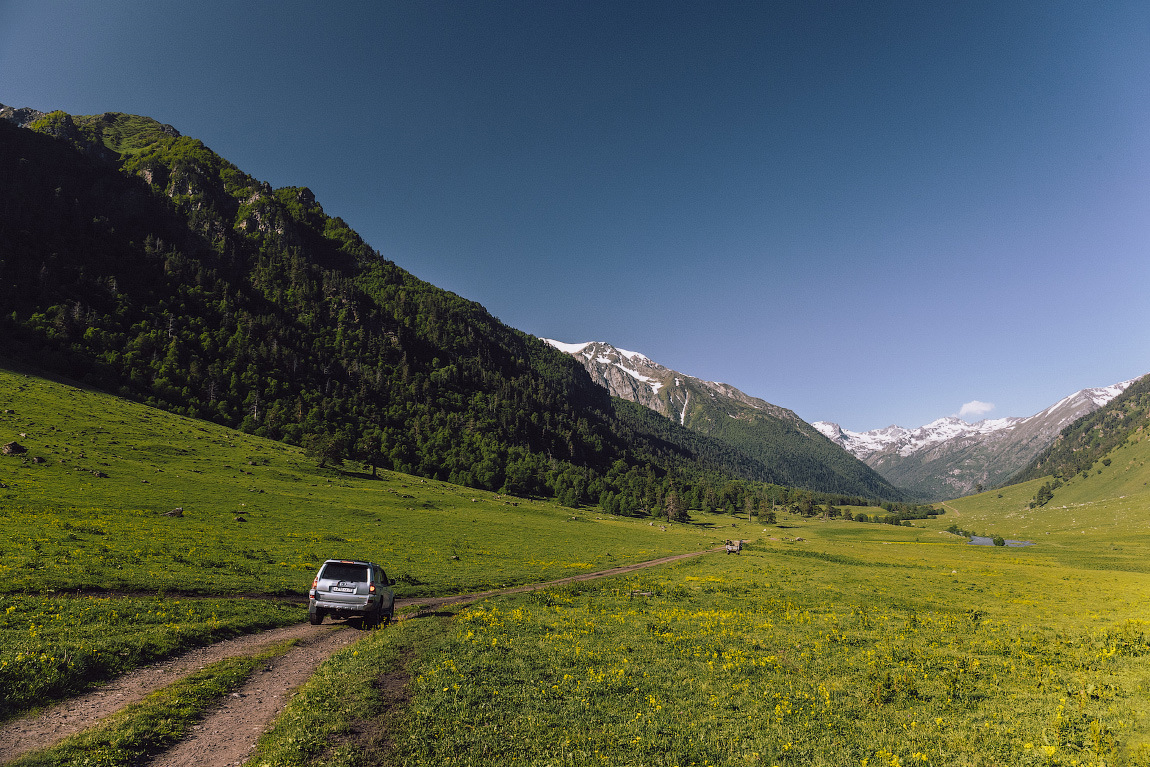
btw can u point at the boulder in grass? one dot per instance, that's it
(14, 448)
(176, 512)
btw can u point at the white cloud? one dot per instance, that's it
(975, 408)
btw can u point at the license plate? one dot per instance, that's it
(344, 589)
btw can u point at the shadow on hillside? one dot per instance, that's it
(347, 474)
(714, 525)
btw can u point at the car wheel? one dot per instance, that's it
(315, 618)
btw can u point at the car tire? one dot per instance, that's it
(315, 617)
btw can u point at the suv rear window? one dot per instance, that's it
(339, 571)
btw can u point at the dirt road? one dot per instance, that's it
(228, 734)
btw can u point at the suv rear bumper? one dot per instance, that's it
(348, 607)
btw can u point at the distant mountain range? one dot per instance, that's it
(949, 457)
(946, 458)
(792, 450)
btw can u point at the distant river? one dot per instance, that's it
(982, 540)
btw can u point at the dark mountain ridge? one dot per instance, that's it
(793, 451)
(141, 262)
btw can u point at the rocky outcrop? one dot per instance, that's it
(22, 116)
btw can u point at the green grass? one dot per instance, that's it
(52, 647)
(830, 651)
(860, 644)
(343, 716)
(734, 672)
(1098, 522)
(157, 723)
(66, 528)
(823, 643)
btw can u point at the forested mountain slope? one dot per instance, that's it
(141, 262)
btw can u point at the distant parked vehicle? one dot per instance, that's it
(734, 547)
(346, 588)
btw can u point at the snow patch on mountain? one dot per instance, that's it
(669, 390)
(655, 385)
(633, 355)
(1098, 396)
(568, 348)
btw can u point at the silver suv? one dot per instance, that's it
(345, 588)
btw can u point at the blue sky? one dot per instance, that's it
(870, 213)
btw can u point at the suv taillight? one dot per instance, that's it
(315, 582)
(371, 588)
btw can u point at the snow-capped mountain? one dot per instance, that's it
(950, 457)
(638, 378)
(789, 449)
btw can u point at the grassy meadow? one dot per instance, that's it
(822, 643)
(96, 578)
(858, 645)
(1100, 522)
(258, 517)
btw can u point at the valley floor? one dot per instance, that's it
(228, 733)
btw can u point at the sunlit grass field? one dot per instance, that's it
(51, 646)
(859, 645)
(822, 643)
(84, 515)
(1100, 522)
(257, 516)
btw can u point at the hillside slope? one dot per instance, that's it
(1097, 516)
(138, 261)
(1094, 437)
(87, 503)
(791, 450)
